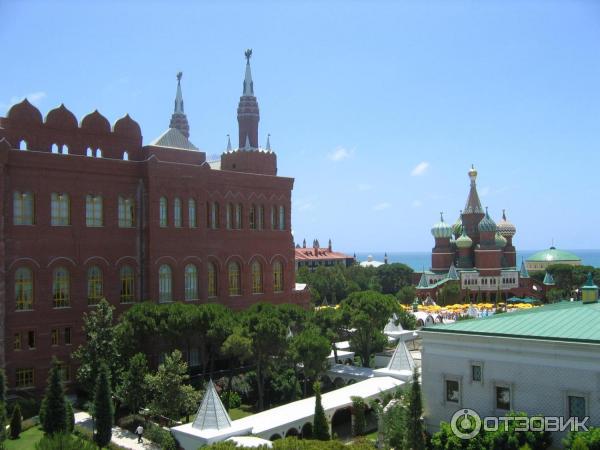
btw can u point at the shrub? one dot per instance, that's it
(235, 401)
(131, 422)
(577, 440)
(61, 441)
(70, 417)
(15, 422)
(161, 437)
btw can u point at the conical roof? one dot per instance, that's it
(391, 326)
(523, 273)
(452, 273)
(401, 359)
(473, 205)
(423, 284)
(211, 415)
(549, 279)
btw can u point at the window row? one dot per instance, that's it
(63, 149)
(61, 287)
(27, 339)
(235, 218)
(25, 377)
(60, 210)
(234, 280)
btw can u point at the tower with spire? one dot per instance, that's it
(179, 119)
(249, 157)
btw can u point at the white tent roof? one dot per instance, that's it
(211, 415)
(401, 359)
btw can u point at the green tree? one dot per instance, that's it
(310, 348)
(415, 435)
(406, 319)
(63, 441)
(15, 422)
(579, 440)
(100, 346)
(359, 422)
(367, 313)
(3, 412)
(394, 276)
(70, 417)
(103, 408)
(132, 389)
(267, 333)
(53, 414)
(320, 424)
(330, 323)
(406, 295)
(237, 347)
(393, 424)
(555, 295)
(167, 387)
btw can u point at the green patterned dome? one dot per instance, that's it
(458, 226)
(500, 240)
(487, 224)
(553, 255)
(441, 229)
(464, 241)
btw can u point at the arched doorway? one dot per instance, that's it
(307, 430)
(338, 383)
(341, 422)
(292, 432)
(275, 437)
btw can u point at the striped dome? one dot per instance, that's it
(506, 228)
(487, 224)
(458, 226)
(464, 241)
(441, 229)
(500, 240)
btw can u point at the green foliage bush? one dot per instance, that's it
(293, 443)
(62, 441)
(15, 422)
(580, 440)
(235, 401)
(131, 422)
(161, 437)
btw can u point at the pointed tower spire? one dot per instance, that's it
(247, 143)
(247, 112)
(268, 148)
(179, 119)
(523, 273)
(228, 143)
(473, 205)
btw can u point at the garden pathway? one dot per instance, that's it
(121, 437)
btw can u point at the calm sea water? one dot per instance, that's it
(420, 260)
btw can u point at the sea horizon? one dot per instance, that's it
(422, 260)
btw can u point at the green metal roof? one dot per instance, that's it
(553, 254)
(565, 321)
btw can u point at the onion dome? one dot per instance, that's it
(95, 123)
(61, 118)
(487, 224)
(500, 240)
(464, 241)
(458, 226)
(506, 228)
(25, 112)
(441, 229)
(128, 128)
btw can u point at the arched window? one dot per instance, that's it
(89, 152)
(163, 212)
(257, 278)
(59, 209)
(23, 145)
(238, 216)
(60, 288)
(192, 213)
(54, 148)
(273, 217)
(94, 283)
(191, 282)
(98, 153)
(23, 208)
(125, 156)
(212, 215)
(177, 212)
(212, 280)
(260, 219)
(234, 275)
(65, 149)
(165, 291)
(127, 285)
(277, 277)
(93, 210)
(252, 217)
(23, 289)
(126, 212)
(282, 217)
(229, 216)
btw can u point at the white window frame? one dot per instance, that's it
(445, 379)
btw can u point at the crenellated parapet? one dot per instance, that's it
(25, 129)
(250, 161)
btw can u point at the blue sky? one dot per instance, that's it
(377, 109)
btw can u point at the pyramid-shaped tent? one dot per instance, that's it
(211, 415)
(401, 359)
(391, 326)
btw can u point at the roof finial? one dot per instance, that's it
(503, 214)
(248, 84)
(179, 75)
(247, 144)
(178, 95)
(178, 118)
(248, 54)
(228, 143)
(268, 143)
(441, 216)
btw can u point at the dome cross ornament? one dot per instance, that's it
(179, 75)
(248, 55)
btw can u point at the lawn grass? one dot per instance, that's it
(26, 441)
(238, 413)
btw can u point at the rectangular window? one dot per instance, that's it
(194, 357)
(65, 372)
(24, 378)
(260, 220)
(452, 391)
(576, 406)
(23, 208)
(93, 210)
(126, 212)
(273, 218)
(192, 213)
(476, 372)
(68, 336)
(54, 336)
(59, 211)
(31, 339)
(281, 218)
(238, 216)
(503, 398)
(177, 220)
(252, 218)
(17, 341)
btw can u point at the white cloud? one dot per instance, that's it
(420, 169)
(417, 204)
(34, 98)
(364, 187)
(381, 206)
(339, 154)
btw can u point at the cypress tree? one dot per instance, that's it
(53, 414)
(320, 424)
(70, 418)
(103, 408)
(414, 437)
(3, 413)
(15, 422)
(359, 422)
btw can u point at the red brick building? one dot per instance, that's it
(91, 212)
(477, 253)
(315, 256)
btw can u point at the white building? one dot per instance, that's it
(541, 361)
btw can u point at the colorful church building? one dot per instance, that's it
(478, 254)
